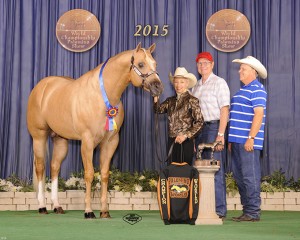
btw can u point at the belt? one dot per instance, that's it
(212, 122)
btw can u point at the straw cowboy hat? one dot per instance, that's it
(255, 64)
(182, 72)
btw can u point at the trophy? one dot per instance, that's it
(210, 146)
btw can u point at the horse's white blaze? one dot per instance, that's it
(41, 195)
(54, 192)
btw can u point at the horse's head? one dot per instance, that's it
(143, 70)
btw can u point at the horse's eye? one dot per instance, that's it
(141, 65)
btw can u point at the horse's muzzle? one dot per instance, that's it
(156, 88)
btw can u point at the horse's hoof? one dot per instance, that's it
(43, 211)
(59, 210)
(89, 215)
(104, 215)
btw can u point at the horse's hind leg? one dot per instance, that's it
(60, 150)
(107, 150)
(39, 148)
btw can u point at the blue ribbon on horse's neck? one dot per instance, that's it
(111, 111)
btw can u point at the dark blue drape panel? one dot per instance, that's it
(29, 51)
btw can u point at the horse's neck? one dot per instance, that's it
(117, 76)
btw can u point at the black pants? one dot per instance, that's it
(181, 152)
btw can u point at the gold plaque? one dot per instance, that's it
(228, 30)
(78, 30)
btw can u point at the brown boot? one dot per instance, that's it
(237, 218)
(246, 218)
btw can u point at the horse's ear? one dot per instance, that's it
(152, 48)
(138, 47)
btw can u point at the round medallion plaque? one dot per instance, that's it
(78, 30)
(228, 30)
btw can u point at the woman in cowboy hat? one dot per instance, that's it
(184, 116)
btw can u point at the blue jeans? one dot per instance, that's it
(208, 135)
(247, 173)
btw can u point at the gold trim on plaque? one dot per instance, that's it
(78, 30)
(228, 30)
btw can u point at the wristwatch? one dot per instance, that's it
(250, 137)
(220, 134)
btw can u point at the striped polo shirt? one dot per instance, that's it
(242, 112)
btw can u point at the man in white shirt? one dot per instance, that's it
(214, 96)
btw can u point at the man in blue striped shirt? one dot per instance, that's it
(246, 135)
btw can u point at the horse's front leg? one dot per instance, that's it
(87, 148)
(107, 150)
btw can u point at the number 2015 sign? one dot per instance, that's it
(149, 30)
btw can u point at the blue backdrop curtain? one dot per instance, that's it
(29, 51)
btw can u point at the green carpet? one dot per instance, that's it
(72, 225)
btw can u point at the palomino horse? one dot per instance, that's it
(76, 109)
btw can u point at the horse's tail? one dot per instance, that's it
(34, 177)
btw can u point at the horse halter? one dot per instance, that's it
(141, 75)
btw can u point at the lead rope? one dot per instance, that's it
(170, 152)
(156, 137)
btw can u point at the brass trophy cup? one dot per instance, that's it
(207, 169)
